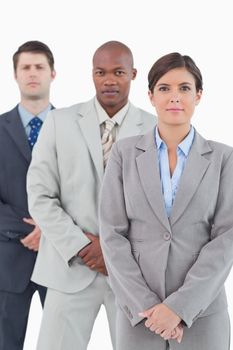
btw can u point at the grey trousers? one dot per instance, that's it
(207, 333)
(68, 319)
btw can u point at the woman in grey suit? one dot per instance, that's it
(167, 223)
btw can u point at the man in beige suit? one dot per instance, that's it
(64, 181)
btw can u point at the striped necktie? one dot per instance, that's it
(107, 139)
(35, 124)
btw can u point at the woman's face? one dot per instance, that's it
(175, 97)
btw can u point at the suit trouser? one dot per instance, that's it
(14, 311)
(207, 333)
(68, 318)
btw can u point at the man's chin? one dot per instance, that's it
(33, 97)
(109, 102)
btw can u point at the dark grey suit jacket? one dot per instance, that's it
(16, 261)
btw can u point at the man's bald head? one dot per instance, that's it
(115, 46)
(113, 72)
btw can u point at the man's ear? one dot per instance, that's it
(53, 74)
(134, 73)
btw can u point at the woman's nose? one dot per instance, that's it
(175, 99)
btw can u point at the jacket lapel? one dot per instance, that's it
(91, 132)
(148, 169)
(16, 131)
(195, 169)
(132, 123)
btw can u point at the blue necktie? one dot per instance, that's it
(35, 124)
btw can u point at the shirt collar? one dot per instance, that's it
(184, 146)
(159, 142)
(27, 116)
(103, 116)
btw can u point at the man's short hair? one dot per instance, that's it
(34, 47)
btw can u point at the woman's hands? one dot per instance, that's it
(163, 321)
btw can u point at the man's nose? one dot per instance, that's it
(110, 80)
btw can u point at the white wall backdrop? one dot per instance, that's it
(74, 29)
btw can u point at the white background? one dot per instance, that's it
(73, 29)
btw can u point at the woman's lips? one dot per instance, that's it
(174, 109)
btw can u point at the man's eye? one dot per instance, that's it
(99, 73)
(120, 72)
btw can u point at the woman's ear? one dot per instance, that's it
(198, 97)
(151, 97)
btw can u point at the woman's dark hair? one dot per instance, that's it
(171, 61)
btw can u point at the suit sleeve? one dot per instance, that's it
(12, 226)
(206, 278)
(45, 205)
(131, 290)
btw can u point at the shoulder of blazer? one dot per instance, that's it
(141, 142)
(79, 109)
(140, 114)
(221, 150)
(206, 146)
(8, 116)
(85, 108)
(137, 121)
(215, 145)
(140, 110)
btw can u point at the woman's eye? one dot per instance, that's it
(185, 88)
(163, 88)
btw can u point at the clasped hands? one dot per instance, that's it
(32, 240)
(163, 321)
(92, 255)
(159, 319)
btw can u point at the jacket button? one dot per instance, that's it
(167, 236)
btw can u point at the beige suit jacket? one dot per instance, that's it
(63, 183)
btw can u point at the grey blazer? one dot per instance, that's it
(182, 261)
(64, 181)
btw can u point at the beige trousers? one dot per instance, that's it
(68, 319)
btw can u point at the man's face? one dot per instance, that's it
(34, 76)
(112, 75)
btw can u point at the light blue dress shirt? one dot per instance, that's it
(26, 116)
(170, 184)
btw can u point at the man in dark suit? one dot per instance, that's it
(19, 234)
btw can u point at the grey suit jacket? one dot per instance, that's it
(182, 261)
(64, 182)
